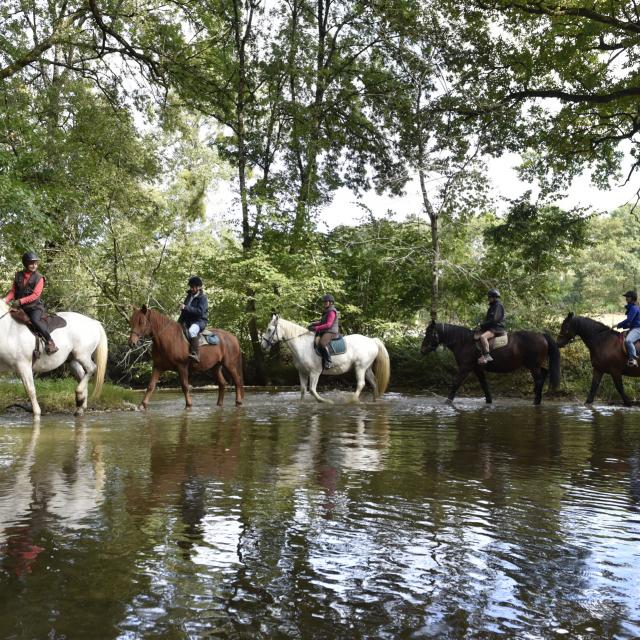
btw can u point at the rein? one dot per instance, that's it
(275, 338)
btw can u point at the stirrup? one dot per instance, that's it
(327, 364)
(631, 362)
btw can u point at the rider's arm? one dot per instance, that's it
(331, 316)
(12, 293)
(37, 292)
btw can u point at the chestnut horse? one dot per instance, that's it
(528, 349)
(606, 348)
(170, 352)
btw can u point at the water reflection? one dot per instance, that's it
(396, 519)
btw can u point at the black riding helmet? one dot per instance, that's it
(327, 297)
(631, 294)
(493, 293)
(195, 281)
(28, 257)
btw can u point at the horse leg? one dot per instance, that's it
(371, 379)
(538, 383)
(237, 381)
(314, 376)
(459, 379)
(26, 375)
(78, 372)
(183, 374)
(304, 378)
(617, 381)
(595, 383)
(482, 379)
(359, 383)
(222, 383)
(155, 376)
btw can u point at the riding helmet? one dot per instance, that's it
(28, 257)
(493, 293)
(195, 281)
(327, 297)
(631, 294)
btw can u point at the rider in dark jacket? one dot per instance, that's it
(194, 314)
(631, 322)
(25, 293)
(326, 329)
(492, 326)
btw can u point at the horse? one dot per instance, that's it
(170, 352)
(362, 353)
(606, 349)
(528, 349)
(77, 342)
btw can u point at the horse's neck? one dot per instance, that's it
(453, 336)
(591, 331)
(289, 331)
(164, 329)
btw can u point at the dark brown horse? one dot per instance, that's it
(527, 349)
(170, 352)
(606, 349)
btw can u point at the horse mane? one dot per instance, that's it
(455, 332)
(291, 328)
(590, 326)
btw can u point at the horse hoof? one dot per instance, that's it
(238, 404)
(448, 401)
(142, 407)
(79, 412)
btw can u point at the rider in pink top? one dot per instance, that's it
(326, 329)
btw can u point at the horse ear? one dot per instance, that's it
(570, 314)
(144, 308)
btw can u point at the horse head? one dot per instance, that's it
(431, 338)
(567, 331)
(270, 335)
(140, 324)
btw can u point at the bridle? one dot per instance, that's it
(275, 338)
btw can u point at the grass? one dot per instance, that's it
(58, 395)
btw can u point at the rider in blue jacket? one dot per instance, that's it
(194, 314)
(631, 322)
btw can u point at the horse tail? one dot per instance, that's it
(101, 352)
(554, 361)
(382, 367)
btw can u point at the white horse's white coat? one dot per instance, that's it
(362, 353)
(76, 343)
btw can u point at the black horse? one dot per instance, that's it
(528, 349)
(606, 348)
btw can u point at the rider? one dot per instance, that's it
(631, 322)
(492, 326)
(326, 329)
(25, 293)
(193, 314)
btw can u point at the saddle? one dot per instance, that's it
(206, 337)
(495, 343)
(337, 346)
(51, 320)
(623, 344)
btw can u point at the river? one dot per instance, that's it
(404, 518)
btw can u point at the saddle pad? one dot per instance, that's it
(499, 341)
(336, 347)
(207, 337)
(51, 320)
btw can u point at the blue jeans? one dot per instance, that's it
(632, 336)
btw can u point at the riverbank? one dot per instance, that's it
(57, 395)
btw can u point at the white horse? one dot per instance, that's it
(362, 353)
(76, 342)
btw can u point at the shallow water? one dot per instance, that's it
(401, 519)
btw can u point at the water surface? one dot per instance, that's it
(400, 519)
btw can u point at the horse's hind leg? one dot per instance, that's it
(222, 383)
(360, 373)
(617, 380)
(26, 375)
(304, 379)
(371, 379)
(183, 374)
(538, 383)
(82, 376)
(482, 379)
(236, 376)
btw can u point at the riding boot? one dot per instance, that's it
(326, 358)
(193, 348)
(50, 348)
